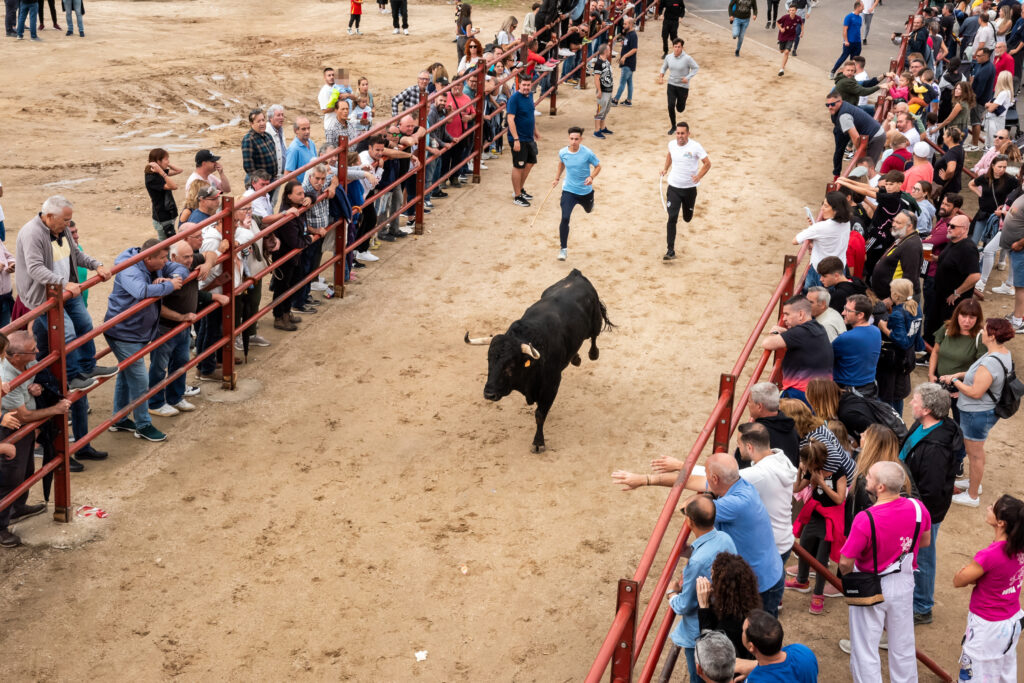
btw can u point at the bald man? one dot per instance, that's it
(302, 150)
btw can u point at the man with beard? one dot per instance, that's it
(890, 201)
(902, 259)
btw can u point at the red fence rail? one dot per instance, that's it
(55, 361)
(627, 635)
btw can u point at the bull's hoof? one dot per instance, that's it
(576, 360)
(537, 448)
(594, 353)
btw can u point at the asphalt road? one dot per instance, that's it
(822, 42)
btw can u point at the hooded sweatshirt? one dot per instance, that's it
(781, 434)
(773, 476)
(852, 90)
(932, 463)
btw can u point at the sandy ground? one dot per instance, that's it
(316, 524)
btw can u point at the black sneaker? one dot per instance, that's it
(627, 103)
(125, 425)
(669, 255)
(150, 433)
(440, 194)
(26, 511)
(102, 371)
(385, 237)
(520, 201)
(75, 466)
(303, 309)
(922, 618)
(82, 383)
(524, 194)
(9, 540)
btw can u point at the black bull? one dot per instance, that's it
(531, 355)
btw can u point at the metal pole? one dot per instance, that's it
(341, 233)
(421, 157)
(227, 231)
(55, 340)
(726, 387)
(478, 135)
(622, 660)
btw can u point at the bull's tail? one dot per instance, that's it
(608, 324)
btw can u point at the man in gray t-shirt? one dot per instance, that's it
(1012, 240)
(681, 68)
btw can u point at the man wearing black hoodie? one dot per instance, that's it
(929, 453)
(764, 408)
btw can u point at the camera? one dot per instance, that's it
(948, 386)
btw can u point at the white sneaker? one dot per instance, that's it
(184, 406)
(538, 112)
(1004, 289)
(257, 340)
(965, 499)
(965, 483)
(318, 286)
(407, 231)
(1001, 266)
(192, 391)
(406, 31)
(165, 411)
(565, 52)
(350, 31)
(562, 253)
(366, 256)
(238, 344)
(395, 31)
(483, 166)
(844, 644)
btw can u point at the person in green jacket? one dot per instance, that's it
(850, 89)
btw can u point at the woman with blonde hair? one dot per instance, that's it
(878, 443)
(995, 110)
(810, 426)
(829, 402)
(901, 333)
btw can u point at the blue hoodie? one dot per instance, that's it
(132, 285)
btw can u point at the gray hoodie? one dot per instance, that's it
(34, 261)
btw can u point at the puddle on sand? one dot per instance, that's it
(68, 183)
(129, 134)
(233, 122)
(217, 77)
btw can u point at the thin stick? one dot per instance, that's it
(661, 193)
(541, 206)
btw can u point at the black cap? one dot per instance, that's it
(205, 155)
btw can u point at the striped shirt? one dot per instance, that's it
(838, 460)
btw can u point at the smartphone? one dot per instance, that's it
(810, 216)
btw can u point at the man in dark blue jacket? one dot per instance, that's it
(152, 277)
(983, 83)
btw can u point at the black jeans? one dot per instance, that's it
(311, 257)
(353, 20)
(773, 11)
(247, 304)
(679, 197)
(812, 539)
(285, 277)
(669, 33)
(400, 8)
(53, 12)
(677, 95)
(11, 16)
(14, 471)
(208, 331)
(569, 202)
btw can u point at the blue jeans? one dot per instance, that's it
(3, 232)
(739, 29)
(31, 11)
(625, 79)
(132, 381)
(812, 279)
(924, 577)
(851, 50)
(163, 361)
(76, 7)
(772, 598)
(691, 662)
(207, 333)
(77, 322)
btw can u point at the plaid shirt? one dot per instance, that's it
(259, 152)
(319, 215)
(407, 99)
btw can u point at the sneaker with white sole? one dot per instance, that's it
(395, 31)
(255, 340)
(1018, 325)
(405, 31)
(366, 256)
(184, 406)
(1004, 289)
(562, 253)
(318, 286)
(192, 390)
(844, 644)
(519, 201)
(965, 484)
(164, 411)
(407, 230)
(238, 344)
(965, 499)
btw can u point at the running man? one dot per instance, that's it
(689, 163)
(681, 68)
(523, 136)
(788, 25)
(578, 188)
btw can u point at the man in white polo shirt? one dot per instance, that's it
(688, 163)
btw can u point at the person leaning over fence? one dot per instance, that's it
(808, 352)
(885, 540)
(153, 276)
(763, 635)
(290, 236)
(994, 615)
(19, 407)
(318, 219)
(682, 595)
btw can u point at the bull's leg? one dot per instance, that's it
(594, 351)
(576, 360)
(544, 401)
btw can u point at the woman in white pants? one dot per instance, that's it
(993, 617)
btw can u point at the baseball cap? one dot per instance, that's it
(205, 155)
(922, 149)
(210, 192)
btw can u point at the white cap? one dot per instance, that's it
(923, 150)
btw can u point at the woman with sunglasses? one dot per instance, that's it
(992, 189)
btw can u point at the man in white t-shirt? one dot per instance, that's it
(688, 163)
(327, 93)
(773, 475)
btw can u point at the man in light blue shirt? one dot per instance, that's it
(302, 150)
(581, 166)
(740, 513)
(708, 542)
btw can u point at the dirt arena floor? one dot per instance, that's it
(357, 501)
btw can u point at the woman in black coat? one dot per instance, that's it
(291, 235)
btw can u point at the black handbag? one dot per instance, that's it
(864, 588)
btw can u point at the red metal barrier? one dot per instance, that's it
(55, 361)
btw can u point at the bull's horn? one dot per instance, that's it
(530, 351)
(479, 341)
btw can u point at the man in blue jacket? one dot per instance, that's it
(153, 276)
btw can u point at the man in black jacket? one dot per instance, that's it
(674, 10)
(930, 454)
(764, 408)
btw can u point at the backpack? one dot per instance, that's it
(1008, 400)
(884, 414)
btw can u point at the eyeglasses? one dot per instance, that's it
(1001, 137)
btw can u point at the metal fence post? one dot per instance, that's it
(55, 340)
(622, 660)
(421, 157)
(478, 135)
(341, 233)
(726, 386)
(788, 292)
(227, 231)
